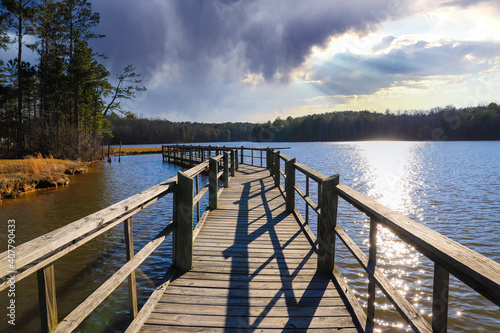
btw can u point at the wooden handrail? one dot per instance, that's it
(47, 246)
(475, 270)
(38, 254)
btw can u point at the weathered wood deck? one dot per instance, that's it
(254, 270)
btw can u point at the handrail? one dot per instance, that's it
(475, 270)
(39, 254)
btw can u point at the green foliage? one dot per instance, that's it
(129, 83)
(61, 101)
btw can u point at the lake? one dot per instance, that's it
(451, 187)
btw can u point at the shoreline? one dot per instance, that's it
(21, 176)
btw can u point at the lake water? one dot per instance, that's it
(451, 187)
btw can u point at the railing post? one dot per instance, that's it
(183, 227)
(276, 168)
(307, 195)
(327, 221)
(440, 299)
(270, 154)
(232, 163)
(242, 154)
(226, 169)
(213, 183)
(132, 289)
(252, 156)
(47, 298)
(236, 163)
(290, 184)
(197, 185)
(372, 262)
(261, 158)
(268, 160)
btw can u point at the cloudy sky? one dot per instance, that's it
(254, 60)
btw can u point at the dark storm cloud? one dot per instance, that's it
(194, 50)
(345, 72)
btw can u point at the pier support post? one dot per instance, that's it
(327, 221)
(372, 263)
(290, 184)
(132, 287)
(213, 183)
(276, 166)
(226, 169)
(47, 298)
(440, 299)
(183, 226)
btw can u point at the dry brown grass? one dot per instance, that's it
(135, 151)
(22, 175)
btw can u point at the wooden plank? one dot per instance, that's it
(217, 310)
(227, 276)
(310, 172)
(245, 285)
(194, 320)
(282, 301)
(204, 329)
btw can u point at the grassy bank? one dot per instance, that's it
(24, 175)
(134, 151)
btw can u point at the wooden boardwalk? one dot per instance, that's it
(254, 271)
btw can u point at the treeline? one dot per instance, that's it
(130, 130)
(57, 105)
(439, 124)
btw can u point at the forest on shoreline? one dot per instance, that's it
(438, 124)
(58, 105)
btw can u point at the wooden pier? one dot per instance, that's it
(251, 263)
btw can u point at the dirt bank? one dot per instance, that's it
(24, 175)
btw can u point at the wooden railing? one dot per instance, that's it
(475, 270)
(38, 255)
(188, 154)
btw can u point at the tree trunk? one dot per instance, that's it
(20, 130)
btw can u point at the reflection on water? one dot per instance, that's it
(451, 187)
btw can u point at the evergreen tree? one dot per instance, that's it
(18, 15)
